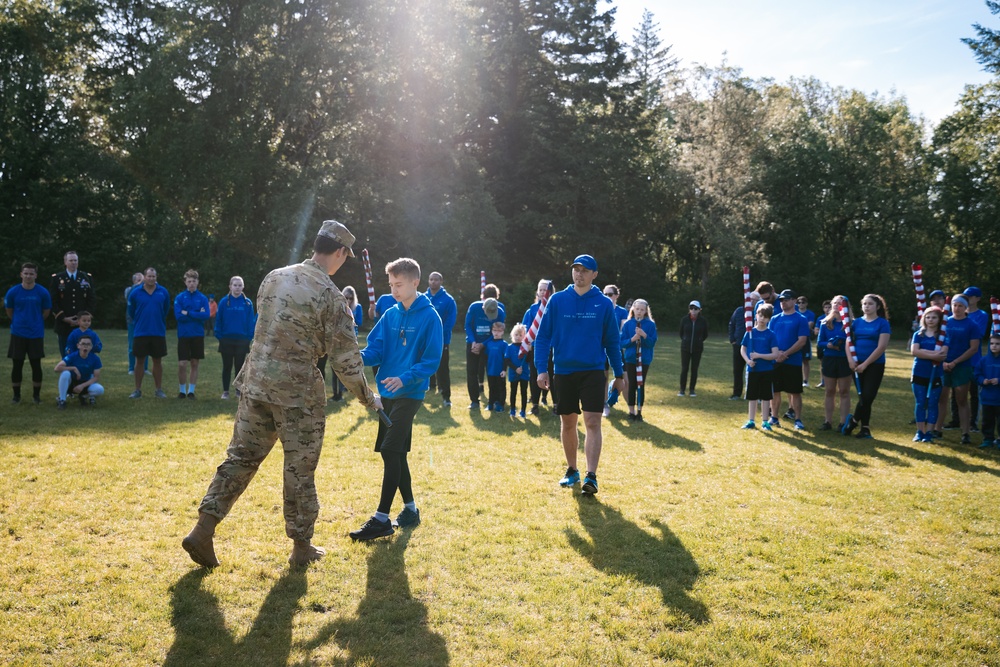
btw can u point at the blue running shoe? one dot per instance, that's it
(767, 427)
(523, 416)
(590, 483)
(799, 426)
(572, 477)
(849, 425)
(775, 422)
(749, 425)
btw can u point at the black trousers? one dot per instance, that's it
(990, 413)
(516, 385)
(442, 377)
(475, 367)
(498, 390)
(633, 388)
(738, 367)
(690, 359)
(871, 380)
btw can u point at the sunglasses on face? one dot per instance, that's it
(693, 308)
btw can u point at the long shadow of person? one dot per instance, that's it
(201, 637)
(618, 546)
(391, 625)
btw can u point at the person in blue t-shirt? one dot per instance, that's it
(84, 320)
(925, 377)
(802, 306)
(759, 349)
(831, 340)
(988, 378)
(27, 305)
(79, 372)
(234, 324)
(149, 304)
(981, 318)
(406, 345)
(871, 335)
(479, 319)
(580, 328)
(792, 331)
(495, 350)
(447, 310)
(191, 310)
(518, 369)
(963, 343)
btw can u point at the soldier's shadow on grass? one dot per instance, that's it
(619, 547)
(201, 636)
(390, 627)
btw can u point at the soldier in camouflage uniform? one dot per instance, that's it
(301, 316)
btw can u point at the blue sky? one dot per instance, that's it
(912, 47)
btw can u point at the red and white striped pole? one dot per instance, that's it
(366, 261)
(747, 306)
(995, 310)
(529, 337)
(918, 284)
(845, 317)
(482, 284)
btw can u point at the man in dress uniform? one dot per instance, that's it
(72, 290)
(301, 316)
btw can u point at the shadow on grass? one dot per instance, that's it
(619, 547)
(647, 431)
(201, 637)
(390, 627)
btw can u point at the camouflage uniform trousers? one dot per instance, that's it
(257, 426)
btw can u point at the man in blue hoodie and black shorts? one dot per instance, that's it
(581, 328)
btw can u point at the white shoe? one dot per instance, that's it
(225, 396)
(692, 395)
(607, 410)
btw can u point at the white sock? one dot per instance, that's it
(382, 516)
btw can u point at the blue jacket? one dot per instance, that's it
(648, 343)
(515, 361)
(737, 325)
(582, 331)
(191, 325)
(235, 318)
(496, 356)
(359, 317)
(149, 311)
(477, 325)
(446, 309)
(74, 337)
(988, 368)
(406, 344)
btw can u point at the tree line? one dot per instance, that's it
(504, 136)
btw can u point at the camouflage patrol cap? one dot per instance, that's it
(339, 233)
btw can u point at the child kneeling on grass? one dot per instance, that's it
(79, 372)
(759, 350)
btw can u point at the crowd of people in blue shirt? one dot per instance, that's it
(770, 359)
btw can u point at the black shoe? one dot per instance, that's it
(966, 440)
(372, 529)
(181, 394)
(864, 434)
(951, 426)
(474, 405)
(937, 434)
(973, 429)
(36, 400)
(638, 418)
(191, 395)
(827, 426)
(590, 484)
(849, 425)
(790, 414)
(15, 400)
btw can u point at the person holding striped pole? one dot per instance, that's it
(637, 341)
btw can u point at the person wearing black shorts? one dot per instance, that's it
(792, 330)
(192, 311)
(581, 329)
(148, 304)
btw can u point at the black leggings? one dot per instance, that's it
(871, 380)
(17, 372)
(632, 386)
(395, 476)
(232, 362)
(523, 386)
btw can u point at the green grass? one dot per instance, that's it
(707, 545)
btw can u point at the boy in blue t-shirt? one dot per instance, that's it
(495, 349)
(759, 349)
(988, 379)
(79, 372)
(84, 321)
(518, 369)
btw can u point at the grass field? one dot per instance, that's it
(707, 545)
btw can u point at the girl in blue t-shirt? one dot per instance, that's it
(926, 376)
(831, 340)
(871, 338)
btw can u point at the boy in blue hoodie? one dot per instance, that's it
(496, 355)
(581, 328)
(988, 380)
(85, 320)
(191, 310)
(406, 345)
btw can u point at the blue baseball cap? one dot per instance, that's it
(586, 261)
(973, 291)
(935, 293)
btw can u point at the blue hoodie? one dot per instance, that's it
(628, 347)
(478, 326)
(74, 337)
(406, 344)
(235, 318)
(496, 355)
(582, 332)
(191, 325)
(515, 361)
(446, 309)
(988, 368)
